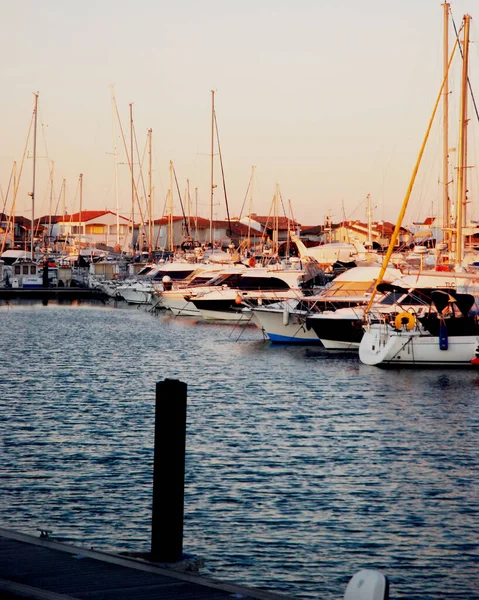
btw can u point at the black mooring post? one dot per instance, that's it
(169, 471)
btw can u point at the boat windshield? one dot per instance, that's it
(262, 283)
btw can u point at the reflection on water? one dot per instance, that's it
(302, 466)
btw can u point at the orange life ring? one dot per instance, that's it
(404, 319)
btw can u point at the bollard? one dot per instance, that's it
(45, 281)
(169, 471)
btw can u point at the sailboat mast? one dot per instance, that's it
(150, 211)
(196, 213)
(170, 210)
(81, 215)
(51, 202)
(64, 204)
(13, 212)
(446, 209)
(250, 204)
(113, 109)
(32, 229)
(276, 221)
(188, 199)
(132, 179)
(462, 154)
(370, 233)
(212, 186)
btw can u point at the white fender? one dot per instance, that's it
(367, 584)
(286, 314)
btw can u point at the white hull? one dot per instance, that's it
(272, 322)
(232, 317)
(181, 307)
(175, 301)
(386, 347)
(134, 295)
(335, 345)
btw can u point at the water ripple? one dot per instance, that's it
(302, 466)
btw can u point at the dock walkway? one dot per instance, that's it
(43, 569)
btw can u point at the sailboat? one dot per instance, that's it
(448, 333)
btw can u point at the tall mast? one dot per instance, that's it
(212, 185)
(170, 210)
(250, 204)
(275, 220)
(196, 213)
(32, 194)
(51, 202)
(81, 215)
(62, 231)
(290, 218)
(370, 233)
(117, 205)
(462, 154)
(446, 209)
(14, 196)
(132, 179)
(64, 204)
(188, 200)
(150, 210)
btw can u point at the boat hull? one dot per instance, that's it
(286, 328)
(400, 348)
(335, 332)
(133, 295)
(240, 316)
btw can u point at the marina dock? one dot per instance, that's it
(42, 568)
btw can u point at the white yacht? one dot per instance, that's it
(179, 298)
(294, 322)
(140, 289)
(444, 331)
(256, 287)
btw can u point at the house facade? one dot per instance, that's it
(92, 228)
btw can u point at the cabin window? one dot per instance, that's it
(33, 270)
(231, 280)
(17, 269)
(25, 269)
(262, 283)
(177, 275)
(391, 298)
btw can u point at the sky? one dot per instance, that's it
(328, 100)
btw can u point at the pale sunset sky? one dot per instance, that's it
(328, 99)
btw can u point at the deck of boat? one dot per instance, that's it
(41, 568)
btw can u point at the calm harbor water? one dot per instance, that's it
(302, 467)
